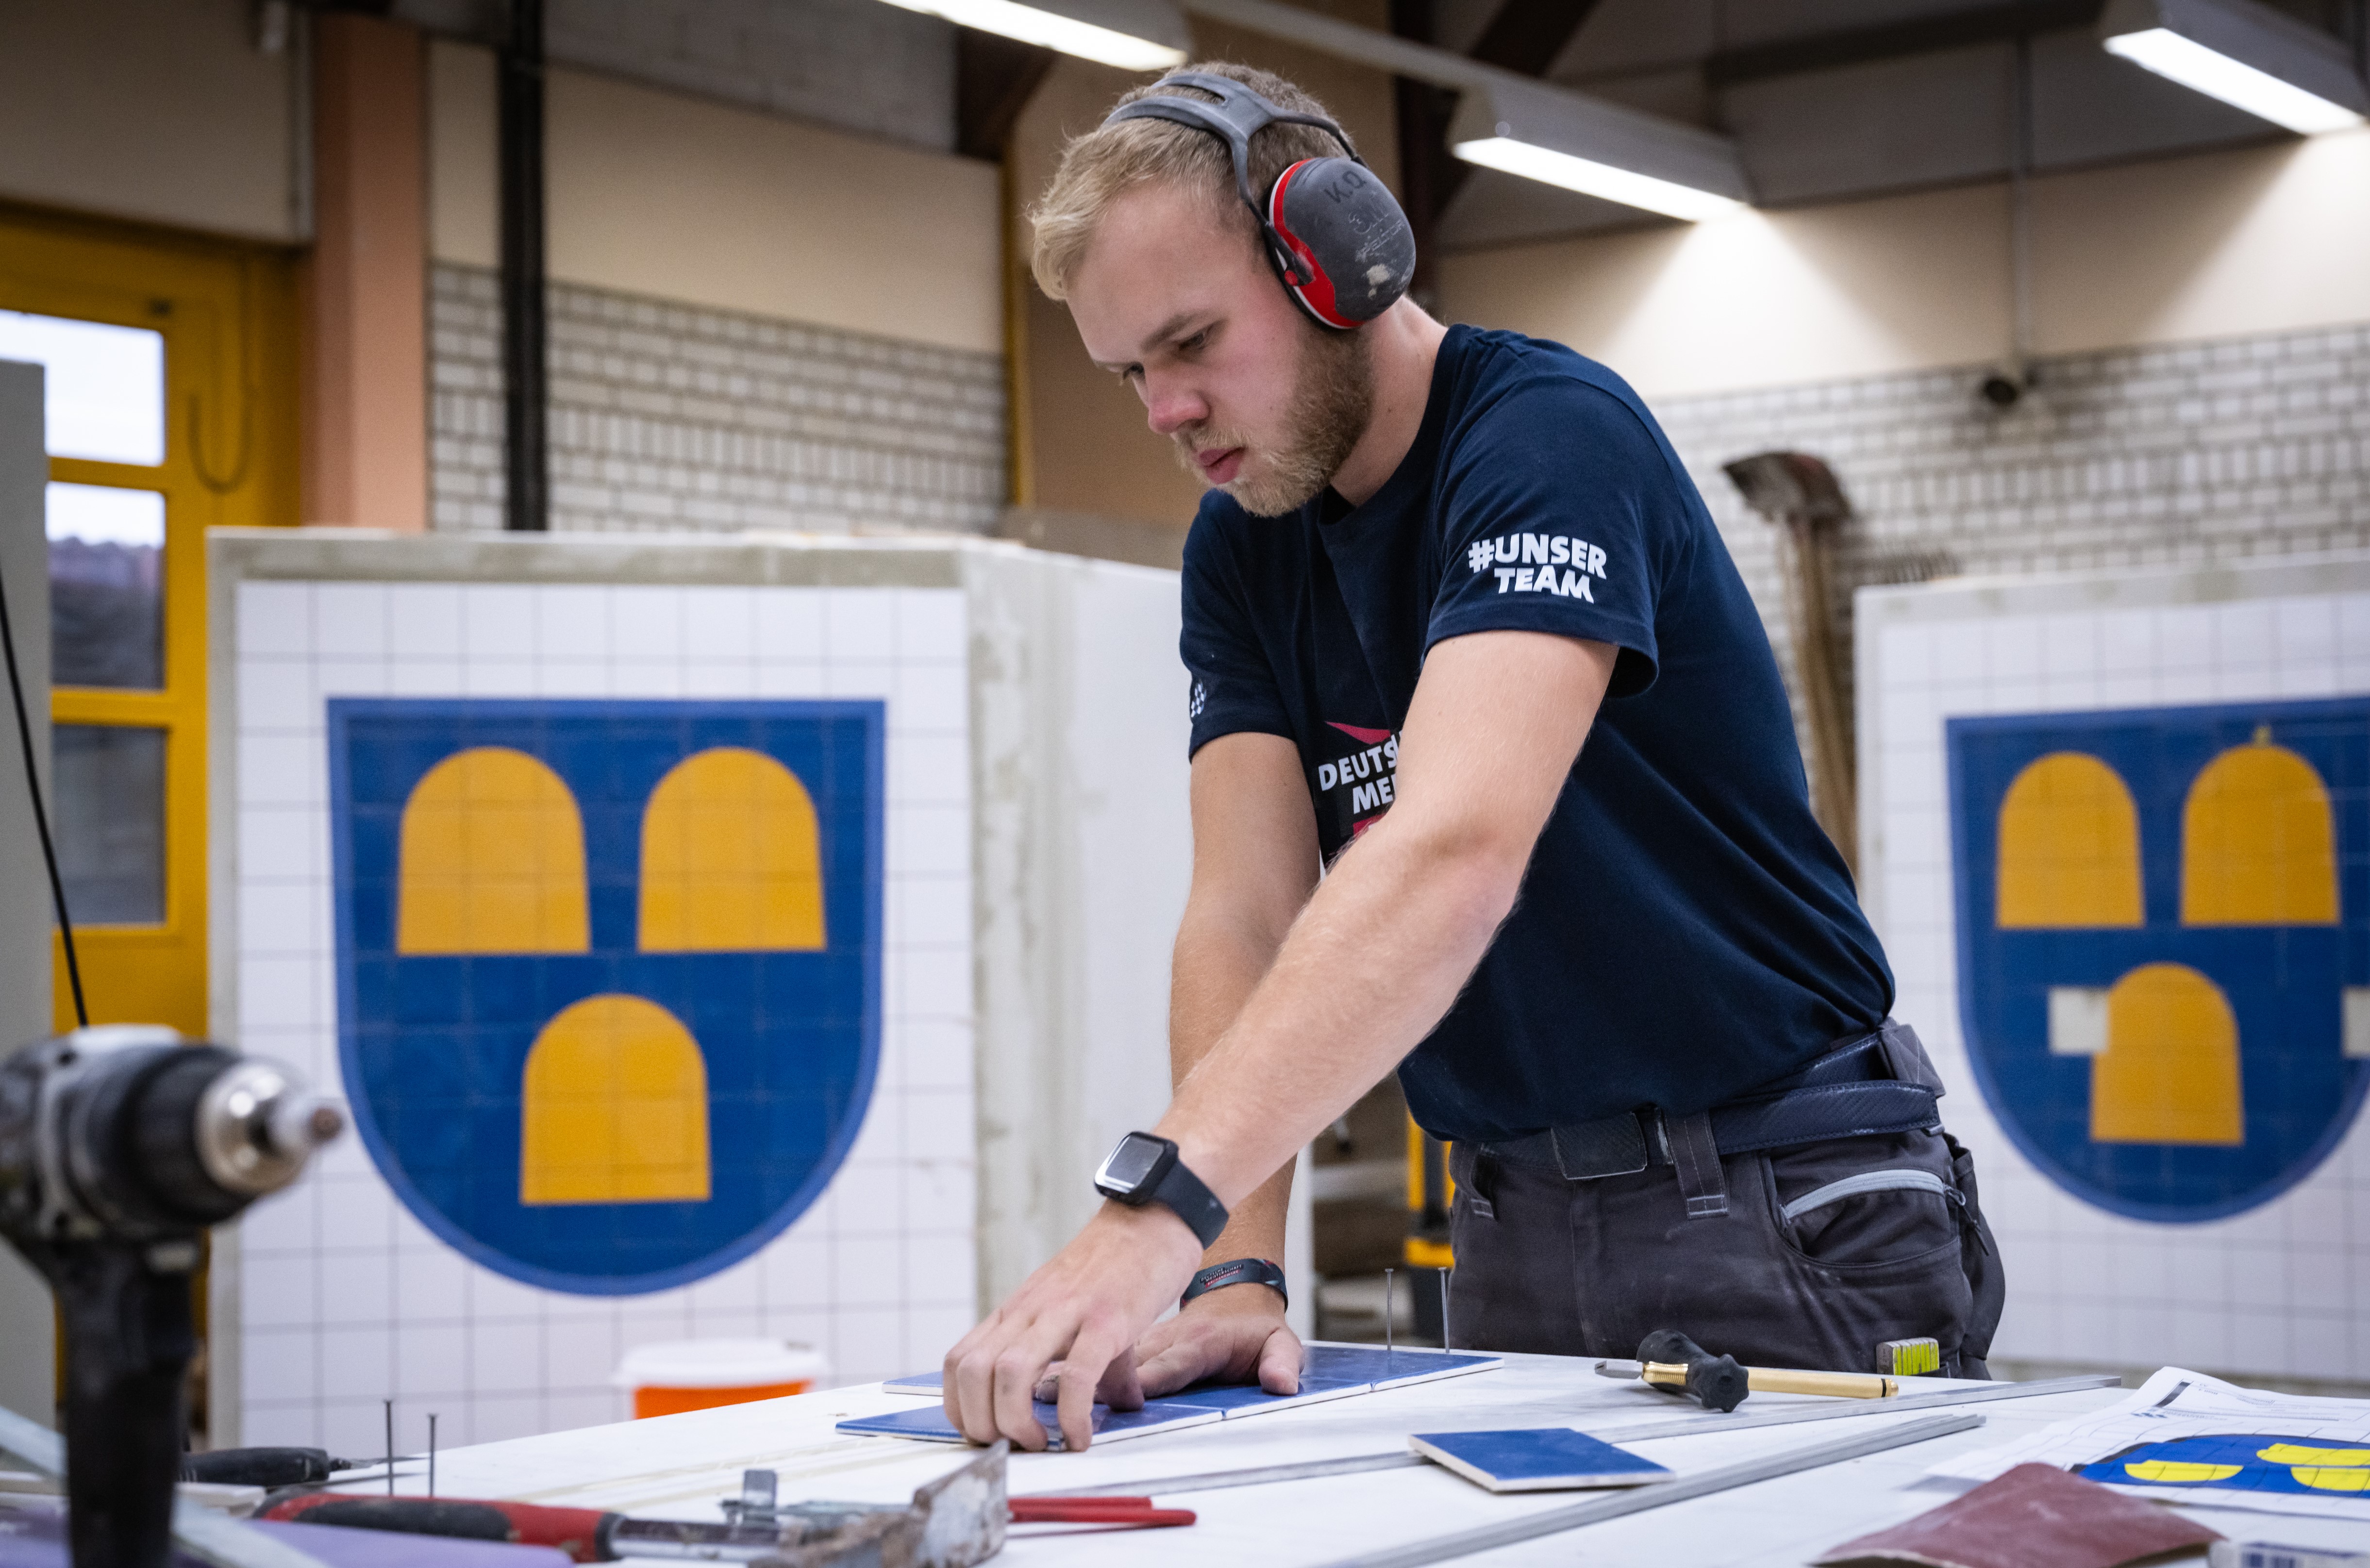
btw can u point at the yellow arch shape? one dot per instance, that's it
(2169, 1073)
(2069, 845)
(615, 1107)
(492, 859)
(731, 857)
(2259, 844)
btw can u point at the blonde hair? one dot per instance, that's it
(1099, 165)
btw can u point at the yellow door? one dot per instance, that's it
(170, 409)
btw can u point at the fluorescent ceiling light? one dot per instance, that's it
(2250, 57)
(1593, 179)
(1134, 35)
(1599, 149)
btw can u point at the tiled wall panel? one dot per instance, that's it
(668, 417)
(344, 1299)
(2277, 1289)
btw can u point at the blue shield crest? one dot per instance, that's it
(2164, 941)
(609, 973)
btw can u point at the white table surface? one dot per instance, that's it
(680, 1466)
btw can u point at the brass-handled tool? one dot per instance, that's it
(1668, 1359)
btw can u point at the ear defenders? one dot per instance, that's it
(1334, 235)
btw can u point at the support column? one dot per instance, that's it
(365, 283)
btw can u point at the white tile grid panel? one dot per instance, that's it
(2283, 1289)
(345, 1297)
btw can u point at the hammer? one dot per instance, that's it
(1668, 1359)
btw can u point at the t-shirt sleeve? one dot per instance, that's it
(1559, 513)
(1233, 685)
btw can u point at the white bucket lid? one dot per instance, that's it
(719, 1364)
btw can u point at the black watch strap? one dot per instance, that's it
(1191, 1202)
(1241, 1271)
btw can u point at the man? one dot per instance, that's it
(1630, 982)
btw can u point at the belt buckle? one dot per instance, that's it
(1610, 1145)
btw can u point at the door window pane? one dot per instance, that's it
(110, 822)
(105, 396)
(107, 587)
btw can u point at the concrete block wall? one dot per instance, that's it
(674, 418)
(2185, 455)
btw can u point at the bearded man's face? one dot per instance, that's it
(1260, 401)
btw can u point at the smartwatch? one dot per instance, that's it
(1144, 1168)
(1242, 1271)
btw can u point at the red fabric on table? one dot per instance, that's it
(2035, 1517)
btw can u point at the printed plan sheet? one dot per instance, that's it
(2185, 1437)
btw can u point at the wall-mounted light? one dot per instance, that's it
(1134, 35)
(2246, 55)
(1599, 149)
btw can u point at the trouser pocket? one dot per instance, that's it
(1870, 1241)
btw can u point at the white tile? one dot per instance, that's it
(494, 676)
(282, 919)
(272, 1423)
(279, 1363)
(357, 1363)
(279, 1290)
(424, 621)
(357, 1210)
(580, 1353)
(424, 677)
(279, 843)
(936, 1053)
(797, 1272)
(931, 699)
(349, 619)
(868, 1270)
(572, 623)
(571, 1412)
(572, 678)
(866, 1204)
(717, 679)
(875, 678)
(500, 1418)
(940, 1269)
(496, 624)
(938, 1125)
(936, 982)
(493, 1296)
(871, 1344)
(431, 1359)
(357, 1286)
(275, 694)
(645, 624)
(505, 1356)
(933, 911)
(2244, 635)
(927, 769)
(275, 617)
(279, 770)
(721, 624)
(859, 623)
(285, 1221)
(646, 679)
(801, 679)
(789, 625)
(932, 623)
(734, 1289)
(931, 1331)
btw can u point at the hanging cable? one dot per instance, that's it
(41, 813)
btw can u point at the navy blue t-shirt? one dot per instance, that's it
(1685, 930)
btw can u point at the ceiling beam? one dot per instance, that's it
(993, 77)
(1895, 40)
(1526, 36)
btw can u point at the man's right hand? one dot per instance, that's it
(1234, 1335)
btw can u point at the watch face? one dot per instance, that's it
(1130, 1163)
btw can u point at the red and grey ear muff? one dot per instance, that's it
(1332, 231)
(1348, 251)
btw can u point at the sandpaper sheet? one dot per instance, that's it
(2035, 1517)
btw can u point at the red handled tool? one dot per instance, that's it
(1134, 1511)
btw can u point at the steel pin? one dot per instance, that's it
(431, 1453)
(1387, 1315)
(389, 1407)
(1445, 1341)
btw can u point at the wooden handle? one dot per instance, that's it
(1843, 1384)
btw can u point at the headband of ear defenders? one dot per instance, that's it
(1336, 238)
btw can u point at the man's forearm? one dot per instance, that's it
(1371, 966)
(1216, 971)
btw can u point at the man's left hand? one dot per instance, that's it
(1086, 1309)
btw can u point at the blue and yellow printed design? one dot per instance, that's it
(2246, 1463)
(609, 972)
(2164, 941)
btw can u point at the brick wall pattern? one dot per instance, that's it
(2183, 455)
(670, 417)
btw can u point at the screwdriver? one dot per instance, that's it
(588, 1535)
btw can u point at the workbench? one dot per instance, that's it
(680, 1466)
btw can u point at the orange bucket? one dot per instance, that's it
(668, 1379)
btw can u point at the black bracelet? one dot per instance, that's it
(1242, 1271)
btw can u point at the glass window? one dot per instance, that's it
(110, 822)
(107, 587)
(105, 396)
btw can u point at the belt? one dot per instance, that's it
(1877, 1082)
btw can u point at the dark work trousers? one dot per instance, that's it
(1589, 1268)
